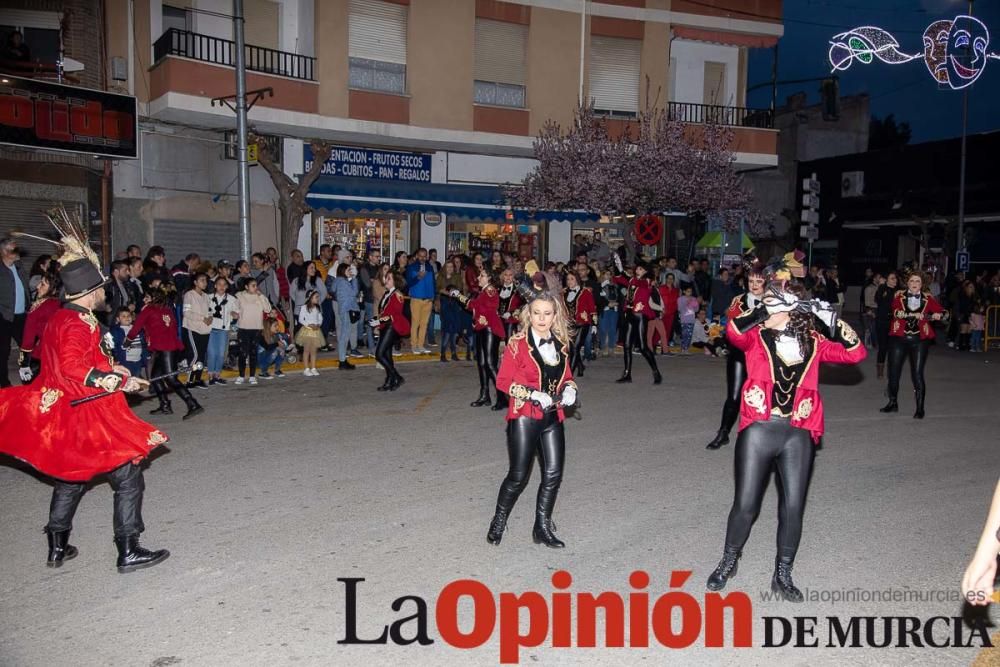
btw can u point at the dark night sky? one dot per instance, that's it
(907, 90)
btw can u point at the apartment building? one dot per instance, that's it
(432, 104)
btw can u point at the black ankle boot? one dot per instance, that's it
(131, 556)
(891, 406)
(497, 526)
(724, 571)
(657, 378)
(627, 377)
(164, 408)
(721, 438)
(59, 548)
(543, 532)
(484, 398)
(919, 395)
(397, 382)
(387, 385)
(782, 583)
(194, 409)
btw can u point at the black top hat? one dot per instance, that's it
(80, 277)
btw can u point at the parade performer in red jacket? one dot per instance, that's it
(535, 373)
(781, 414)
(637, 312)
(45, 306)
(392, 325)
(510, 303)
(489, 330)
(582, 318)
(910, 336)
(72, 445)
(159, 322)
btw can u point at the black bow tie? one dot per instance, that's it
(545, 341)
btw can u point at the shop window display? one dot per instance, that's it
(361, 234)
(467, 239)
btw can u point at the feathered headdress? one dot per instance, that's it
(786, 267)
(81, 268)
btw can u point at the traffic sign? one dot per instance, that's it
(810, 216)
(809, 232)
(962, 260)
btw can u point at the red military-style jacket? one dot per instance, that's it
(34, 325)
(511, 305)
(39, 426)
(763, 369)
(521, 373)
(638, 295)
(390, 313)
(906, 322)
(160, 325)
(484, 311)
(583, 310)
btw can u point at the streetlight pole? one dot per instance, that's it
(961, 172)
(243, 169)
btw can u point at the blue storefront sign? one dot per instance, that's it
(354, 162)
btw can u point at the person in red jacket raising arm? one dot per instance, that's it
(535, 373)
(392, 325)
(781, 413)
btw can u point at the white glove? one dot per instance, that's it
(373, 323)
(618, 262)
(780, 302)
(593, 330)
(25, 374)
(568, 396)
(543, 400)
(506, 315)
(454, 292)
(824, 312)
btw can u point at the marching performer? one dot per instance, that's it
(159, 323)
(392, 325)
(510, 303)
(736, 363)
(910, 336)
(489, 332)
(781, 416)
(72, 445)
(637, 311)
(45, 306)
(535, 373)
(582, 311)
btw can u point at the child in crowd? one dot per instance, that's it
(707, 335)
(252, 307)
(977, 325)
(310, 336)
(687, 308)
(272, 345)
(134, 357)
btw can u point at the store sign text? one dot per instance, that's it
(353, 162)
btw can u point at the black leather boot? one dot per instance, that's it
(782, 583)
(164, 408)
(543, 532)
(891, 406)
(657, 377)
(501, 403)
(387, 385)
(721, 438)
(484, 398)
(919, 395)
(397, 382)
(59, 548)
(497, 526)
(724, 571)
(626, 377)
(194, 408)
(131, 556)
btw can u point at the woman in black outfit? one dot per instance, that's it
(883, 318)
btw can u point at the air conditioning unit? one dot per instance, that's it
(852, 184)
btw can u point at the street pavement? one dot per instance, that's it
(278, 490)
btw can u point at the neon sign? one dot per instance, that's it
(955, 51)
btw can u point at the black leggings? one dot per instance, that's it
(635, 334)
(882, 336)
(736, 375)
(383, 351)
(247, 339)
(128, 485)
(196, 346)
(759, 446)
(525, 437)
(899, 349)
(487, 359)
(166, 362)
(577, 345)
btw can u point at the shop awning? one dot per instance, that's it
(715, 240)
(475, 202)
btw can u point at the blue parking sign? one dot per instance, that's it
(962, 261)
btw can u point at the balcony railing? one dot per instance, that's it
(219, 51)
(687, 112)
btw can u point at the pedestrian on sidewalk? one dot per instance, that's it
(348, 313)
(251, 308)
(310, 332)
(420, 282)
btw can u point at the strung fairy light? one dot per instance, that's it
(955, 51)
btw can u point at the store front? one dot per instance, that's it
(387, 233)
(467, 237)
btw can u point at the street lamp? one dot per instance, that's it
(961, 173)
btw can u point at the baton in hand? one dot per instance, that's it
(86, 399)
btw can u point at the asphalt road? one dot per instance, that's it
(281, 489)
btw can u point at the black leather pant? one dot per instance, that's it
(383, 351)
(525, 437)
(736, 375)
(763, 444)
(901, 348)
(487, 359)
(166, 362)
(128, 485)
(577, 345)
(635, 334)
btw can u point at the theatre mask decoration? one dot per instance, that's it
(955, 50)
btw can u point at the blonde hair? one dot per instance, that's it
(560, 323)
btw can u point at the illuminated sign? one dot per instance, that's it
(50, 116)
(955, 51)
(354, 162)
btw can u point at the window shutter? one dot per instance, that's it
(715, 83)
(377, 31)
(30, 18)
(261, 25)
(500, 49)
(614, 73)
